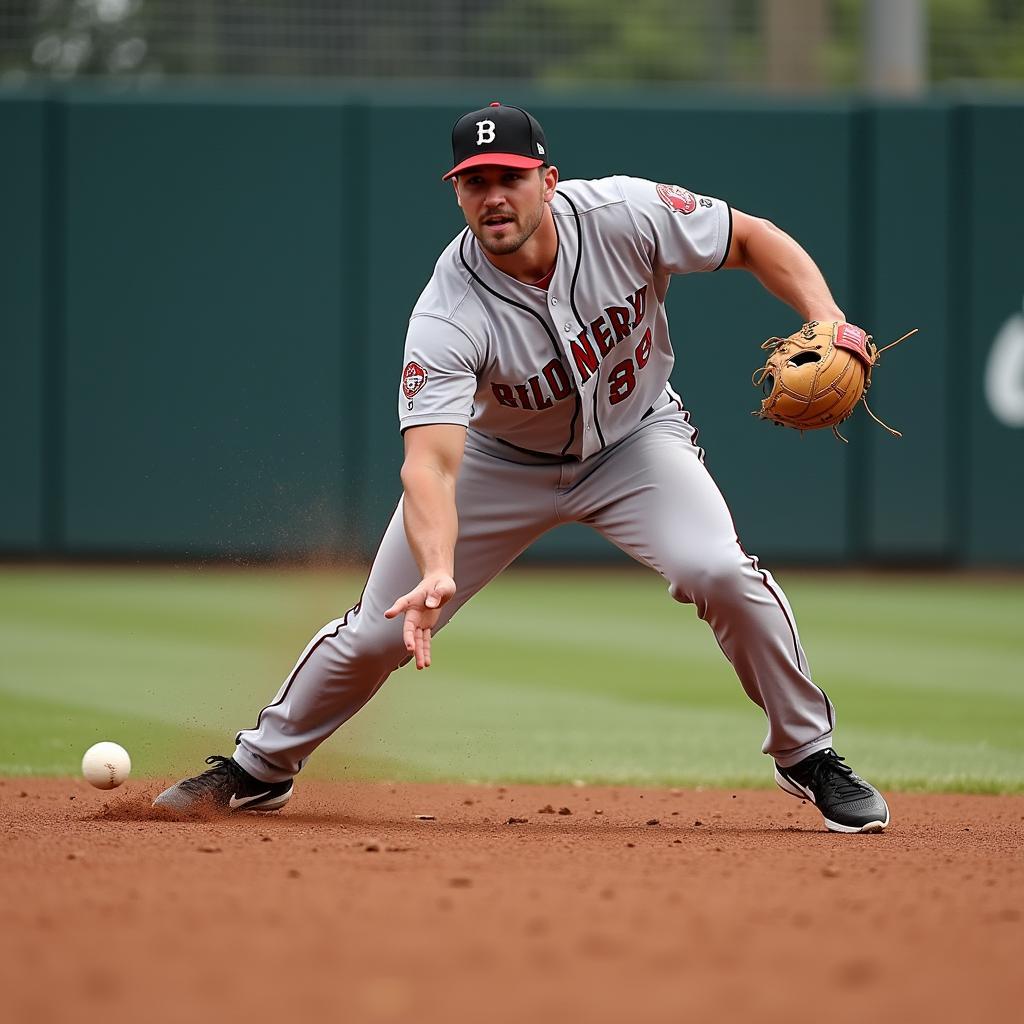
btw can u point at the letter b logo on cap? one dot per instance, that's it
(484, 132)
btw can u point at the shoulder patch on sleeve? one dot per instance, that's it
(677, 199)
(414, 377)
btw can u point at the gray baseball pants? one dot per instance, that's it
(651, 495)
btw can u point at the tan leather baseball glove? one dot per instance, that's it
(816, 377)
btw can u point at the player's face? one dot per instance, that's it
(504, 206)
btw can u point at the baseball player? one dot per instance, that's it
(534, 393)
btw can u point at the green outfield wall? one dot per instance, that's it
(26, 361)
(203, 301)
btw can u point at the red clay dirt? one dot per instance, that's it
(631, 905)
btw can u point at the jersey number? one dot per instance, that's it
(622, 379)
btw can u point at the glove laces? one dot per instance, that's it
(864, 397)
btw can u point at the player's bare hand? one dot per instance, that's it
(422, 609)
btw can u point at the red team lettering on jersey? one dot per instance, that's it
(588, 349)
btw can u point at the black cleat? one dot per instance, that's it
(225, 787)
(846, 801)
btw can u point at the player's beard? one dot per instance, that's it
(512, 240)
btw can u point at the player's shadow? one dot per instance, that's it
(136, 806)
(556, 830)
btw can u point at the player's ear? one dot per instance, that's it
(550, 182)
(455, 185)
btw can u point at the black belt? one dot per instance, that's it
(547, 457)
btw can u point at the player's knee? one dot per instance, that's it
(712, 580)
(369, 641)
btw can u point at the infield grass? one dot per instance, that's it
(547, 676)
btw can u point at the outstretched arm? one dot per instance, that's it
(433, 455)
(782, 265)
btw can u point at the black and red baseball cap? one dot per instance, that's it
(497, 135)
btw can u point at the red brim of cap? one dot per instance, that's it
(495, 160)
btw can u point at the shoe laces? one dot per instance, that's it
(212, 778)
(829, 770)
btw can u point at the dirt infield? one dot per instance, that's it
(518, 903)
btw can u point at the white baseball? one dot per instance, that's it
(106, 765)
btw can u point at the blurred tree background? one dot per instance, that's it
(789, 45)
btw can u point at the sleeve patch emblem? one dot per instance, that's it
(413, 379)
(679, 200)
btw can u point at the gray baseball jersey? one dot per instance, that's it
(591, 354)
(570, 419)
